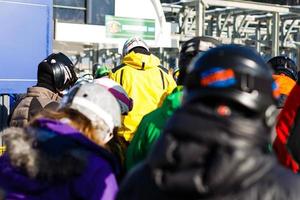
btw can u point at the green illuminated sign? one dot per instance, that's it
(123, 27)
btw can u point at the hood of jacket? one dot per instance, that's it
(285, 83)
(285, 86)
(39, 156)
(141, 61)
(203, 154)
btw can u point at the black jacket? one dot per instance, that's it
(204, 156)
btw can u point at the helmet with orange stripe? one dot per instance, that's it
(235, 74)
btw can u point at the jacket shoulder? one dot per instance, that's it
(163, 69)
(282, 183)
(118, 68)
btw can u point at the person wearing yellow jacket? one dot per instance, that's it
(144, 81)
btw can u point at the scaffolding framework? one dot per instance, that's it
(271, 29)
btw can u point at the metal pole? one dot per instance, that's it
(200, 18)
(258, 38)
(89, 12)
(185, 21)
(275, 34)
(210, 27)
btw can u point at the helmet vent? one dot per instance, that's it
(247, 83)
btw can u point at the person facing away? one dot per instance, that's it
(64, 154)
(144, 81)
(215, 146)
(55, 74)
(285, 75)
(152, 124)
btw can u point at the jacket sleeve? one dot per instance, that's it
(146, 134)
(286, 120)
(293, 142)
(135, 149)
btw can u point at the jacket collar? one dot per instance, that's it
(41, 91)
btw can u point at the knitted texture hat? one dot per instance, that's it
(125, 102)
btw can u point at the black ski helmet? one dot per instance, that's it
(60, 68)
(284, 65)
(190, 49)
(231, 72)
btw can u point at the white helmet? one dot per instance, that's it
(95, 103)
(132, 43)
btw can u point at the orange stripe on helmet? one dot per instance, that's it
(217, 76)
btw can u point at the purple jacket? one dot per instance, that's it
(55, 161)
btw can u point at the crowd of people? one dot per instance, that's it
(225, 125)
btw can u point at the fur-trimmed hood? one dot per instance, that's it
(54, 151)
(52, 159)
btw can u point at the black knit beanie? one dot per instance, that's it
(45, 76)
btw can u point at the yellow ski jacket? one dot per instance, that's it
(146, 83)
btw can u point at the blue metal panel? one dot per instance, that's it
(26, 39)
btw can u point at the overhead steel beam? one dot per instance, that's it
(252, 5)
(258, 38)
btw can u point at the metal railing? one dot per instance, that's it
(70, 7)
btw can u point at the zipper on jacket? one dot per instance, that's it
(121, 77)
(162, 78)
(143, 65)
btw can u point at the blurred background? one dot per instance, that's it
(94, 31)
(88, 31)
